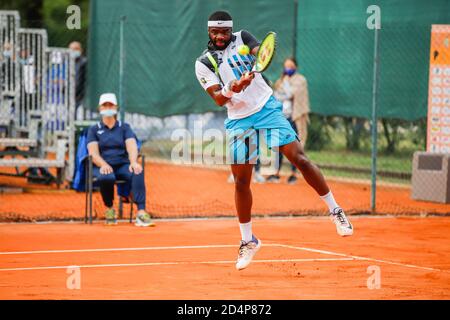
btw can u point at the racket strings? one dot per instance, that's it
(265, 52)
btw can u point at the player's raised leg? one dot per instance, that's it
(294, 152)
(243, 199)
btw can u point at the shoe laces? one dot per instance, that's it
(110, 214)
(245, 247)
(339, 214)
(144, 216)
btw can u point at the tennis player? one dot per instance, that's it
(253, 111)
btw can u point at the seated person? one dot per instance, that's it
(113, 147)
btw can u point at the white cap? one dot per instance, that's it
(108, 97)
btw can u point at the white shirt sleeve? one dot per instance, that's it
(206, 77)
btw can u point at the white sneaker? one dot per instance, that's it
(343, 225)
(258, 178)
(144, 220)
(246, 252)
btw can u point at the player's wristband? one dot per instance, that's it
(226, 90)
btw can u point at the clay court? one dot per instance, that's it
(193, 258)
(301, 258)
(336, 76)
(176, 191)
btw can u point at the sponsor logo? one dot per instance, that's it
(446, 130)
(435, 120)
(436, 80)
(436, 90)
(435, 110)
(437, 71)
(436, 100)
(435, 139)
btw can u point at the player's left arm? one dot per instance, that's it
(250, 41)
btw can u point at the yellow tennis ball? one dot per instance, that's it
(243, 50)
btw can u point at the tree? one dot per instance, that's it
(30, 11)
(51, 15)
(55, 17)
(391, 133)
(354, 132)
(318, 132)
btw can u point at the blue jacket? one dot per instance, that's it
(79, 178)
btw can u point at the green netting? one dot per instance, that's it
(334, 49)
(163, 39)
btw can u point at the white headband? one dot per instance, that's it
(221, 24)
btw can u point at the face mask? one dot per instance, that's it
(76, 54)
(289, 72)
(108, 112)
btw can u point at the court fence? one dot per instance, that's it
(185, 172)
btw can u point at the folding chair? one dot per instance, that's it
(89, 186)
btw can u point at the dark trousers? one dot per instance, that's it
(280, 155)
(121, 172)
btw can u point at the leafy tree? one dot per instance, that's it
(319, 135)
(30, 11)
(55, 16)
(51, 15)
(354, 132)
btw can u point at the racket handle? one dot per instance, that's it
(249, 73)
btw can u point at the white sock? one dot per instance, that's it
(329, 200)
(246, 231)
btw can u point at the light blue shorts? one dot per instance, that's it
(244, 134)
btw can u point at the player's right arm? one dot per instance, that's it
(211, 83)
(94, 152)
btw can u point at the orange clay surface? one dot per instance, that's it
(183, 191)
(301, 258)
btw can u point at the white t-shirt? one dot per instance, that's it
(231, 66)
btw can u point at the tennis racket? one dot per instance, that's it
(265, 53)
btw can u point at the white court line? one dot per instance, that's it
(128, 249)
(363, 258)
(120, 249)
(146, 264)
(220, 246)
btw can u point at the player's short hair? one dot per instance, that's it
(220, 15)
